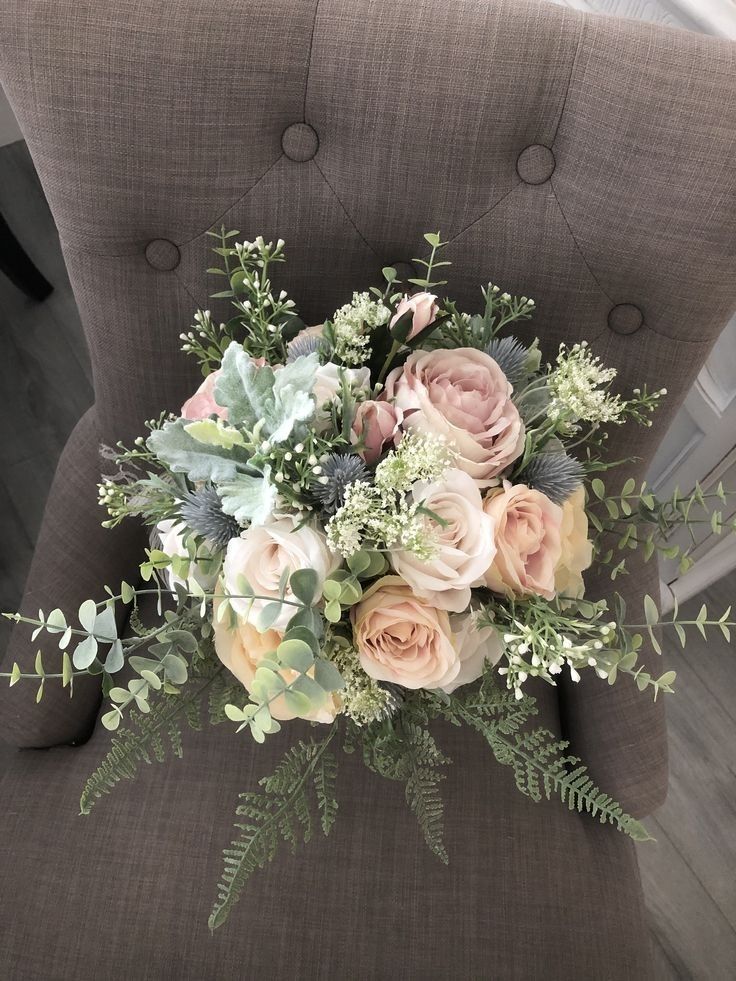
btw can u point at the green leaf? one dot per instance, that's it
(295, 654)
(127, 593)
(388, 273)
(111, 720)
(151, 679)
(39, 665)
(667, 679)
(296, 702)
(66, 670)
(85, 653)
(115, 659)
(433, 239)
(333, 611)
(184, 454)
(651, 612)
(213, 433)
(303, 585)
(305, 635)
(332, 589)
(250, 499)
(628, 487)
(234, 713)
(598, 488)
(105, 628)
(276, 400)
(87, 615)
(175, 668)
(642, 680)
(56, 622)
(15, 675)
(327, 676)
(268, 615)
(359, 562)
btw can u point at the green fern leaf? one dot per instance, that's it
(130, 748)
(143, 742)
(281, 812)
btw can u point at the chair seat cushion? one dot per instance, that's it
(531, 891)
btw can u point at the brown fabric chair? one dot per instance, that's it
(585, 161)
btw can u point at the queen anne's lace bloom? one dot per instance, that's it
(353, 324)
(579, 388)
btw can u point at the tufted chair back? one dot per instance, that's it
(585, 161)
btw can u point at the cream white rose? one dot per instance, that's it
(465, 541)
(262, 553)
(474, 646)
(577, 550)
(171, 534)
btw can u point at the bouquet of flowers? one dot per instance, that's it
(370, 524)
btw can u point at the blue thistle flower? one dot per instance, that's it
(201, 510)
(339, 469)
(510, 355)
(556, 475)
(300, 347)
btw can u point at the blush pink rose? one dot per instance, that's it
(528, 541)
(241, 647)
(465, 543)
(401, 638)
(463, 396)
(202, 404)
(378, 425)
(425, 310)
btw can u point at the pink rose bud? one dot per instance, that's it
(377, 423)
(425, 310)
(202, 404)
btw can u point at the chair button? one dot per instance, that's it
(535, 164)
(625, 318)
(299, 142)
(162, 254)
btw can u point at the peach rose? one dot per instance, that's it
(528, 542)
(202, 404)
(474, 647)
(465, 543)
(464, 396)
(378, 423)
(401, 638)
(425, 310)
(242, 647)
(577, 550)
(263, 552)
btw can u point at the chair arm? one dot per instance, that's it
(618, 732)
(74, 558)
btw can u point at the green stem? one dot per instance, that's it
(395, 348)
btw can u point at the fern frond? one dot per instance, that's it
(281, 812)
(410, 754)
(540, 764)
(129, 748)
(325, 778)
(144, 742)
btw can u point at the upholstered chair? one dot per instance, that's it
(584, 161)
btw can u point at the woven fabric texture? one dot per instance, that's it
(585, 161)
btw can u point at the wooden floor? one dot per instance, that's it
(689, 875)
